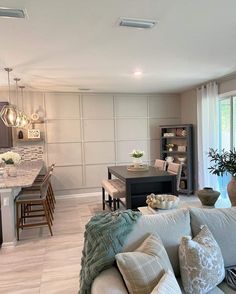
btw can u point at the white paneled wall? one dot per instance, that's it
(86, 133)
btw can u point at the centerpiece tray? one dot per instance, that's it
(141, 168)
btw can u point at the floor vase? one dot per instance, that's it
(231, 189)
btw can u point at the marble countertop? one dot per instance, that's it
(27, 171)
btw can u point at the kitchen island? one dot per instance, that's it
(10, 187)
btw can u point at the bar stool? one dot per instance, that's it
(38, 181)
(26, 200)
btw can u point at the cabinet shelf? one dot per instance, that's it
(174, 137)
(178, 140)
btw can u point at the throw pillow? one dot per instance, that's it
(167, 284)
(201, 262)
(143, 268)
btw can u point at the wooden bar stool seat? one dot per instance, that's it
(116, 190)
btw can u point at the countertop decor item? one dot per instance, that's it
(224, 162)
(208, 196)
(137, 157)
(11, 159)
(162, 201)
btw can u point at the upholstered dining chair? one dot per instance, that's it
(160, 164)
(175, 169)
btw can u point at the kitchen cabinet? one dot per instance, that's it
(5, 132)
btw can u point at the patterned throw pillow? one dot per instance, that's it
(167, 285)
(201, 262)
(143, 268)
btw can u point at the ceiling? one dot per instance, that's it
(69, 44)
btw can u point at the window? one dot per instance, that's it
(227, 132)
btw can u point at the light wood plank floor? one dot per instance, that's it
(44, 264)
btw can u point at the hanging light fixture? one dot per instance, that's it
(19, 114)
(9, 113)
(24, 119)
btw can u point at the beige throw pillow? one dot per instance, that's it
(201, 262)
(143, 268)
(167, 285)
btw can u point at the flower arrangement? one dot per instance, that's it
(137, 153)
(10, 157)
(223, 162)
(170, 146)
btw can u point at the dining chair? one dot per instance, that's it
(160, 164)
(115, 189)
(175, 169)
(31, 204)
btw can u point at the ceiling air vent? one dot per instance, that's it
(12, 12)
(136, 23)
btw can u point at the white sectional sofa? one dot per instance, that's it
(171, 226)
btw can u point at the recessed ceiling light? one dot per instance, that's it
(138, 73)
(12, 12)
(136, 23)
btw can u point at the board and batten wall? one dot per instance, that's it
(85, 133)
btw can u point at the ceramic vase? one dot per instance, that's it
(137, 162)
(11, 170)
(231, 189)
(208, 196)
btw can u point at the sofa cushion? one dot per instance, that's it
(201, 262)
(109, 282)
(222, 224)
(169, 226)
(143, 268)
(167, 284)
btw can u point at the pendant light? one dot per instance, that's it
(9, 112)
(25, 120)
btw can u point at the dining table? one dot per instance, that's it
(141, 183)
(10, 187)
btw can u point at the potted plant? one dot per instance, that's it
(137, 157)
(224, 162)
(11, 159)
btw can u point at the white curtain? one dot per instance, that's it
(208, 129)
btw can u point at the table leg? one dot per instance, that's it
(8, 216)
(128, 196)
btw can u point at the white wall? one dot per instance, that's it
(85, 133)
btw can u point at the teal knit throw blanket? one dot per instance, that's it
(103, 238)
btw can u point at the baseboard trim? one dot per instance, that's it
(82, 195)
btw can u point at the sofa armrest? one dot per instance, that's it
(109, 282)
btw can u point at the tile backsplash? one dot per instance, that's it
(27, 153)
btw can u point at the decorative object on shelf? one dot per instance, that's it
(170, 146)
(208, 196)
(184, 133)
(182, 184)
(11, 159)
(20, 135)
(137, 157)
(225, 162)
(169, 159)
(179, 132)
(182, 148)
(162, 201)
(140, 168)
(34, 117)
(33, 134)
(182, 160)
(168, 134)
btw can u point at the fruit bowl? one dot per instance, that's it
(162, 201)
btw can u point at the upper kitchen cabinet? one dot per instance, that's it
(5, 132)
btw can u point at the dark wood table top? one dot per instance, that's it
(122, 172)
